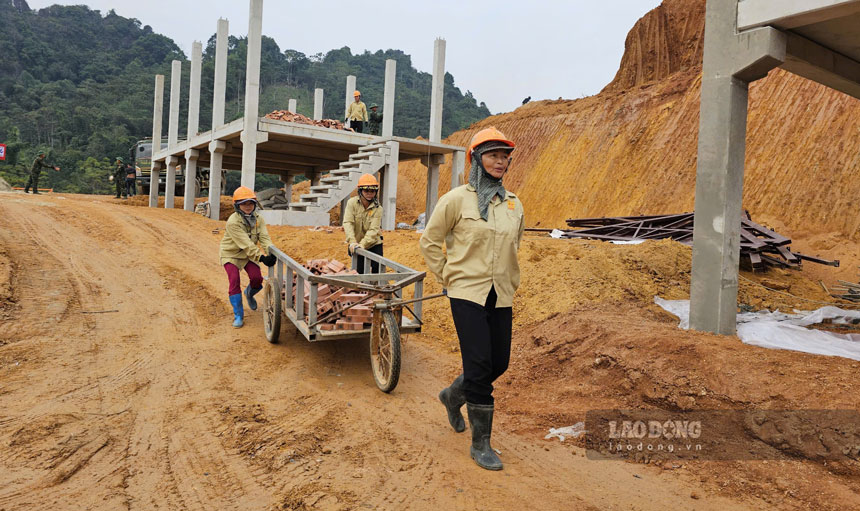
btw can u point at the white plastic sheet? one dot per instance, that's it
(567, 431)
(779, 330)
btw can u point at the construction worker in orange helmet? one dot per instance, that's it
(481, 226)
(362, 220)
(356, 114)
(245, 229)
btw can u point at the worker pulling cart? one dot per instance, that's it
(384, 296)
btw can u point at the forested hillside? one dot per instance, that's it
(79, 84)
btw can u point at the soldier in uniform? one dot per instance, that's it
(36, 170)
(119, 177)
(374, 125)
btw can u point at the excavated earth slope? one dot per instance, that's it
(631, 149)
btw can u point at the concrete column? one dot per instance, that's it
(252, 94)
(731, 61)
(194, 90)
(220, 87)
(318, 104)
(173, 120)
(458, 162)
(343, 209)
(437, 90)
(217, 147)
(191, 156)
(388, 98)
(350, 89)
(170, 181)
(433, 162)
(288, 186)
(172, 133)
(216, 162)
(389, 187)
(292, 106)
(157, 111)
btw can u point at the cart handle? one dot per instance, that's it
(397, 303)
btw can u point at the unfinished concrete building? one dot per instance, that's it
(744, 40)
(331, 159)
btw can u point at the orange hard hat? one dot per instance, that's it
(490, 134)
(367, 180)
(356, 93)
(244, 193)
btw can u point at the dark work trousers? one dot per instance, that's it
(357, 126)
(485, 345)
(130, 188)
(374, 266)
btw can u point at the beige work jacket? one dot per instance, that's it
(362, 225)
(478, 254)
(239, 244)
(357, 111)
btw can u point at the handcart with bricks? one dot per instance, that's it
(325, 301)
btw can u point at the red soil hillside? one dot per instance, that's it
(631, 149)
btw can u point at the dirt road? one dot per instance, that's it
(123, 386)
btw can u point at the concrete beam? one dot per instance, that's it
(157, 112)
(787, 14)
(815, 62)
(318, 104)
(292, 106)
(458, 162)
(252, 94)
(389, 187)
(388, 98)
(350, 89)
(731, 60)
(437, 90)
(216, 163)
(220, 86)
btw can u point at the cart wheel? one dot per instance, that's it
(272, 309)
(385, 352)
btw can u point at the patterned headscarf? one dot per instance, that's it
(486, 185)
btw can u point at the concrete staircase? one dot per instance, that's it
(313, 207)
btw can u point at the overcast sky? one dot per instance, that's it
(502, 51)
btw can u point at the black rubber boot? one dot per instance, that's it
(481, 422)
(453, 398)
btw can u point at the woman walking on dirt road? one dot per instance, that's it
(245, 229)
(482, 225)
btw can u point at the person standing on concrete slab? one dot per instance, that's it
(374, 125)
(362, 220)
(245, 229)
(482, 225)
(357, 113)
(36, 171)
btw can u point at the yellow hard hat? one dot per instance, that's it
(356, 93)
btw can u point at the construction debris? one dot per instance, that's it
(338, 308)
(850, 290)
(760, 246)
(273, 198)
(286, 115)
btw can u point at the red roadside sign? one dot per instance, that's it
(2, 152)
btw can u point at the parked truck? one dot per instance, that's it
(141, 155)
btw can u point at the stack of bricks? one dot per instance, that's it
(332, 298)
